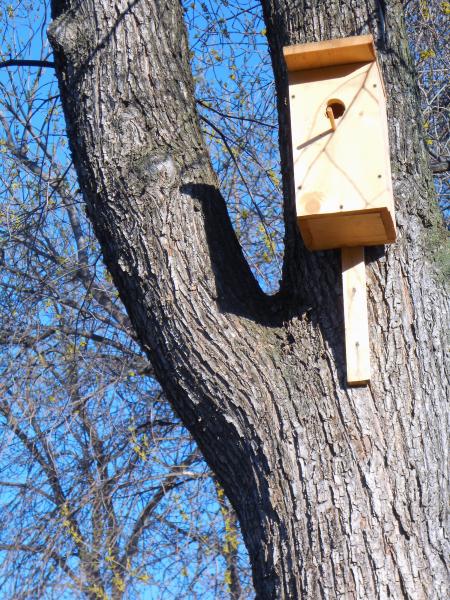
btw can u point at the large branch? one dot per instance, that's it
(152, 195)
(26, 63)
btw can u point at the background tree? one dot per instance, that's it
(427, 25)
(338, 491)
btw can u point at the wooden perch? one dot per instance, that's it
(330, 115)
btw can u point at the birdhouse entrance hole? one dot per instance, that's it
(337, 107)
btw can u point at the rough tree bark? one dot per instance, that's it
(340, 492)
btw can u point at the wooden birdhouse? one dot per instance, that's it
(342, 174)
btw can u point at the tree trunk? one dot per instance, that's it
(340, 492)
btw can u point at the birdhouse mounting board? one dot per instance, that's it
(355, 315)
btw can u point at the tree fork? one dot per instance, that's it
(339, 492)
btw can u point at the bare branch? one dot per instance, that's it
(27, 63)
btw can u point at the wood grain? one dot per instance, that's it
(343, 183)
(330, 52)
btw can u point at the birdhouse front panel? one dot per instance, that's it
(340, 150)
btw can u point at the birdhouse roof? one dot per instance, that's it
(342, 51)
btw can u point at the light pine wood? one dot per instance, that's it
(363, 228)
(330, 52)
(342, 172)
(355, 316)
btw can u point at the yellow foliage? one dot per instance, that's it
(425, 10)
(140, 452)
(427, 54)
(136, 446)
(273, 177)
(184, 516)
(119, 583)
(99, 592)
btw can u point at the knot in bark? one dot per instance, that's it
(158, 169)
(70, 38)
